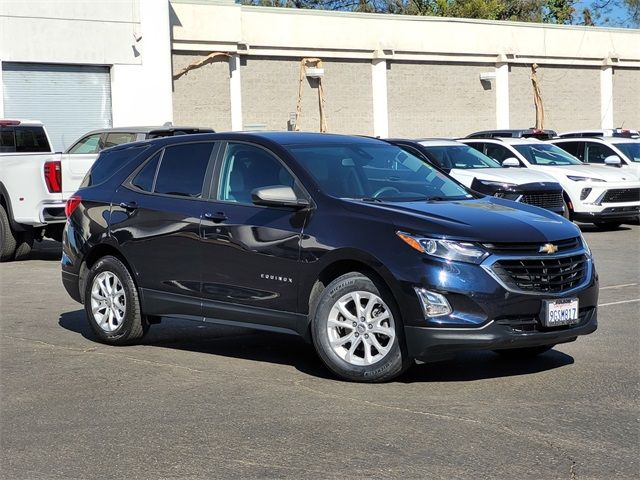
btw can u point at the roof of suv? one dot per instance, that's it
(514, 133)
(427, 142)
(149, 129)
(606, 133)
(508, 141)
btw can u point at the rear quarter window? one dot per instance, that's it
(110, 162)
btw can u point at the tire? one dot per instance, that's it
(371, 351)
(23, 245)
(522, 353)
(607, 225)
(124, 323)
(566, 213)
(7, 237)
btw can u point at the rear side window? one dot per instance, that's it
(118, 138)
(110, 162)
(23, 140)
(182, 169)
(144, 179)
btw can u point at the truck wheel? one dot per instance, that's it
(112, 304)
(357, 330)
(7, 237)
(522, 353)
(23, 245)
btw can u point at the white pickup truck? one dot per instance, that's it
(35, 182)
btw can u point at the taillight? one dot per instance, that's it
(71, 205)
(53, 176)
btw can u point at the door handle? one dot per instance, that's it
(129, 206)
(215, 217)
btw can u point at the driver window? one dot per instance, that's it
(247, 167)
(89, 144)
(596, 153)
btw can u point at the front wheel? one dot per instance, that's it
(112, 304)
(357, 330)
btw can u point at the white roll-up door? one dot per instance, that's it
(69, 99)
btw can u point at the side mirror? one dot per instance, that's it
(510, 162)
(278, 196)
(613, 161)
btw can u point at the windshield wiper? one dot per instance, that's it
(372, 199)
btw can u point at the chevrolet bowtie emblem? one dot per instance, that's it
(548, 248)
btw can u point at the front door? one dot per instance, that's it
(251, 253)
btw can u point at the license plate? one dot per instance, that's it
(560, 312)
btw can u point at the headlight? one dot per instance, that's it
(489, 183)
(584, 179)
(447, 249)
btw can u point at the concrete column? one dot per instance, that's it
(606, 97)
(235, 92)
(502, 95)
(379, 90)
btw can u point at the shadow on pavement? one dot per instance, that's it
(45, 250)
(291, 350)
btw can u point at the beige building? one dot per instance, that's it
(393, 75)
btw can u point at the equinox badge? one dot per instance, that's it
(548, 248)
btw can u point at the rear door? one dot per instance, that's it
(156, 220)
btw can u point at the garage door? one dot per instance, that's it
(69, 99)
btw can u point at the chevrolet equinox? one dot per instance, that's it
(359, 247)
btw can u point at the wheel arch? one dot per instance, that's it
(96, 253)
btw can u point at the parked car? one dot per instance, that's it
(515, 133)
(483, 174)
(596, 194)
(604, 132)
(305, 234)
(612, 151)
(36, 182)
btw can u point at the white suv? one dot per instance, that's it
(595, 194)
(611, 151)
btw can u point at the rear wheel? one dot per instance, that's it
(357, 330)
(607, 225)
(112, 304)
(527, 352)
(7, 237)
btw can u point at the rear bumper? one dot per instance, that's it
(425, 343)
(72, 285)
(52, 212)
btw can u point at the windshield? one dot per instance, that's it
(546, 154)
(459, 156)
(373, 171)
(631, 150)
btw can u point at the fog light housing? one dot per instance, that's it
(433, 304)
(585, 193)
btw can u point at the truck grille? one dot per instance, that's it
(543, 200)
(552, 275)
(622, 195)
(531, 248)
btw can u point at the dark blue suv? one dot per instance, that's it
(361, 248)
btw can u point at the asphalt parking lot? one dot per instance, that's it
(201, 401)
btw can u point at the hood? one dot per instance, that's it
(609, 174)
(506, 175)
(488, 219)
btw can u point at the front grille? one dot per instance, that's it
(543, 200)
(622, 195)
(553, 275)
(530, 248)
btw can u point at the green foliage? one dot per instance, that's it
(548, 11)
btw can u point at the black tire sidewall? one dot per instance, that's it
(7, 237)
(393, 364)
(132, 314)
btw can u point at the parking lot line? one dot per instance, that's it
(621, 301)
(618, 286)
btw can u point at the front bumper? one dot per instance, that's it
(426, 343)
(608, 213)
